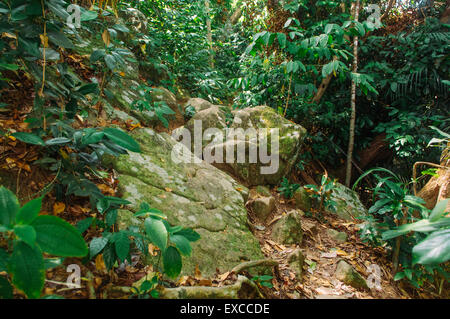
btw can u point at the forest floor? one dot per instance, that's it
(321, 252)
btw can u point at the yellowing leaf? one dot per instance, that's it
(99, 262)
(58, 208)
(106, 37)
(44, 40)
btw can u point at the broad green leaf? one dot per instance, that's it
(50, 263)
(57, 237)
(88, 15)
(434, 249)
(110, 61)
(29, 211)
(26, 233)
(122, 244)
(60, 40)
(281, 40)
(26, 267)
(11, 67)
(6, 290)
(29, 138)
(439, 210)
(156, 232)
(4, 257)
(182, 243)
(84, 224)
(172, 262)
(189, 234)
(97, 55)
(92, 138)
(9, 205)
(122, 139)
(97, 245)
(57, 141)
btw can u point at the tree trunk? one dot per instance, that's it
(438, 187)
(209, 34)
(348, 175)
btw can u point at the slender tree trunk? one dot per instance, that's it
(209, 34)
(348, 175)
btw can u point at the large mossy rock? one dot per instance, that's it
(195, 195)
(348, 205)
(251, 122)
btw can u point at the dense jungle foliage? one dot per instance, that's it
(295, 56)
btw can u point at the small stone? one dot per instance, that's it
(263, 207)
(340, 237)
(288, 229)
(349, 276)
(302, 199)
(296, 260)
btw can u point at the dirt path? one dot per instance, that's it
(322, 253)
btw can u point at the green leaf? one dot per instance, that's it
(26, 233)
(97, 55)
(281, 40)
(57, 141)
(6, 290)
(29, 211)
(172, 262)
(122, 139)
(182, 243)
(434, 249)
(189, 234)
(29, 138)
(59, 39)
(156, 232)
(57, 237)
(97, 245)
(121, 28)
(111, 217)
(88, 15)
(110, 61)
(122, 244)
(26, 267)
(399, 275)
(11, 67)
(93, 137)
(50, 263)
(9, 205)
(4, 257)
(439, 210)
(109, 256)
(84, 224)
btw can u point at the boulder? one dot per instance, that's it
(288, 229)
(192, 194)
(302, 199)
(198, 104)
(348, 205)
(349, 276)
(262, 207)
(250, 130)
(296, 259)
